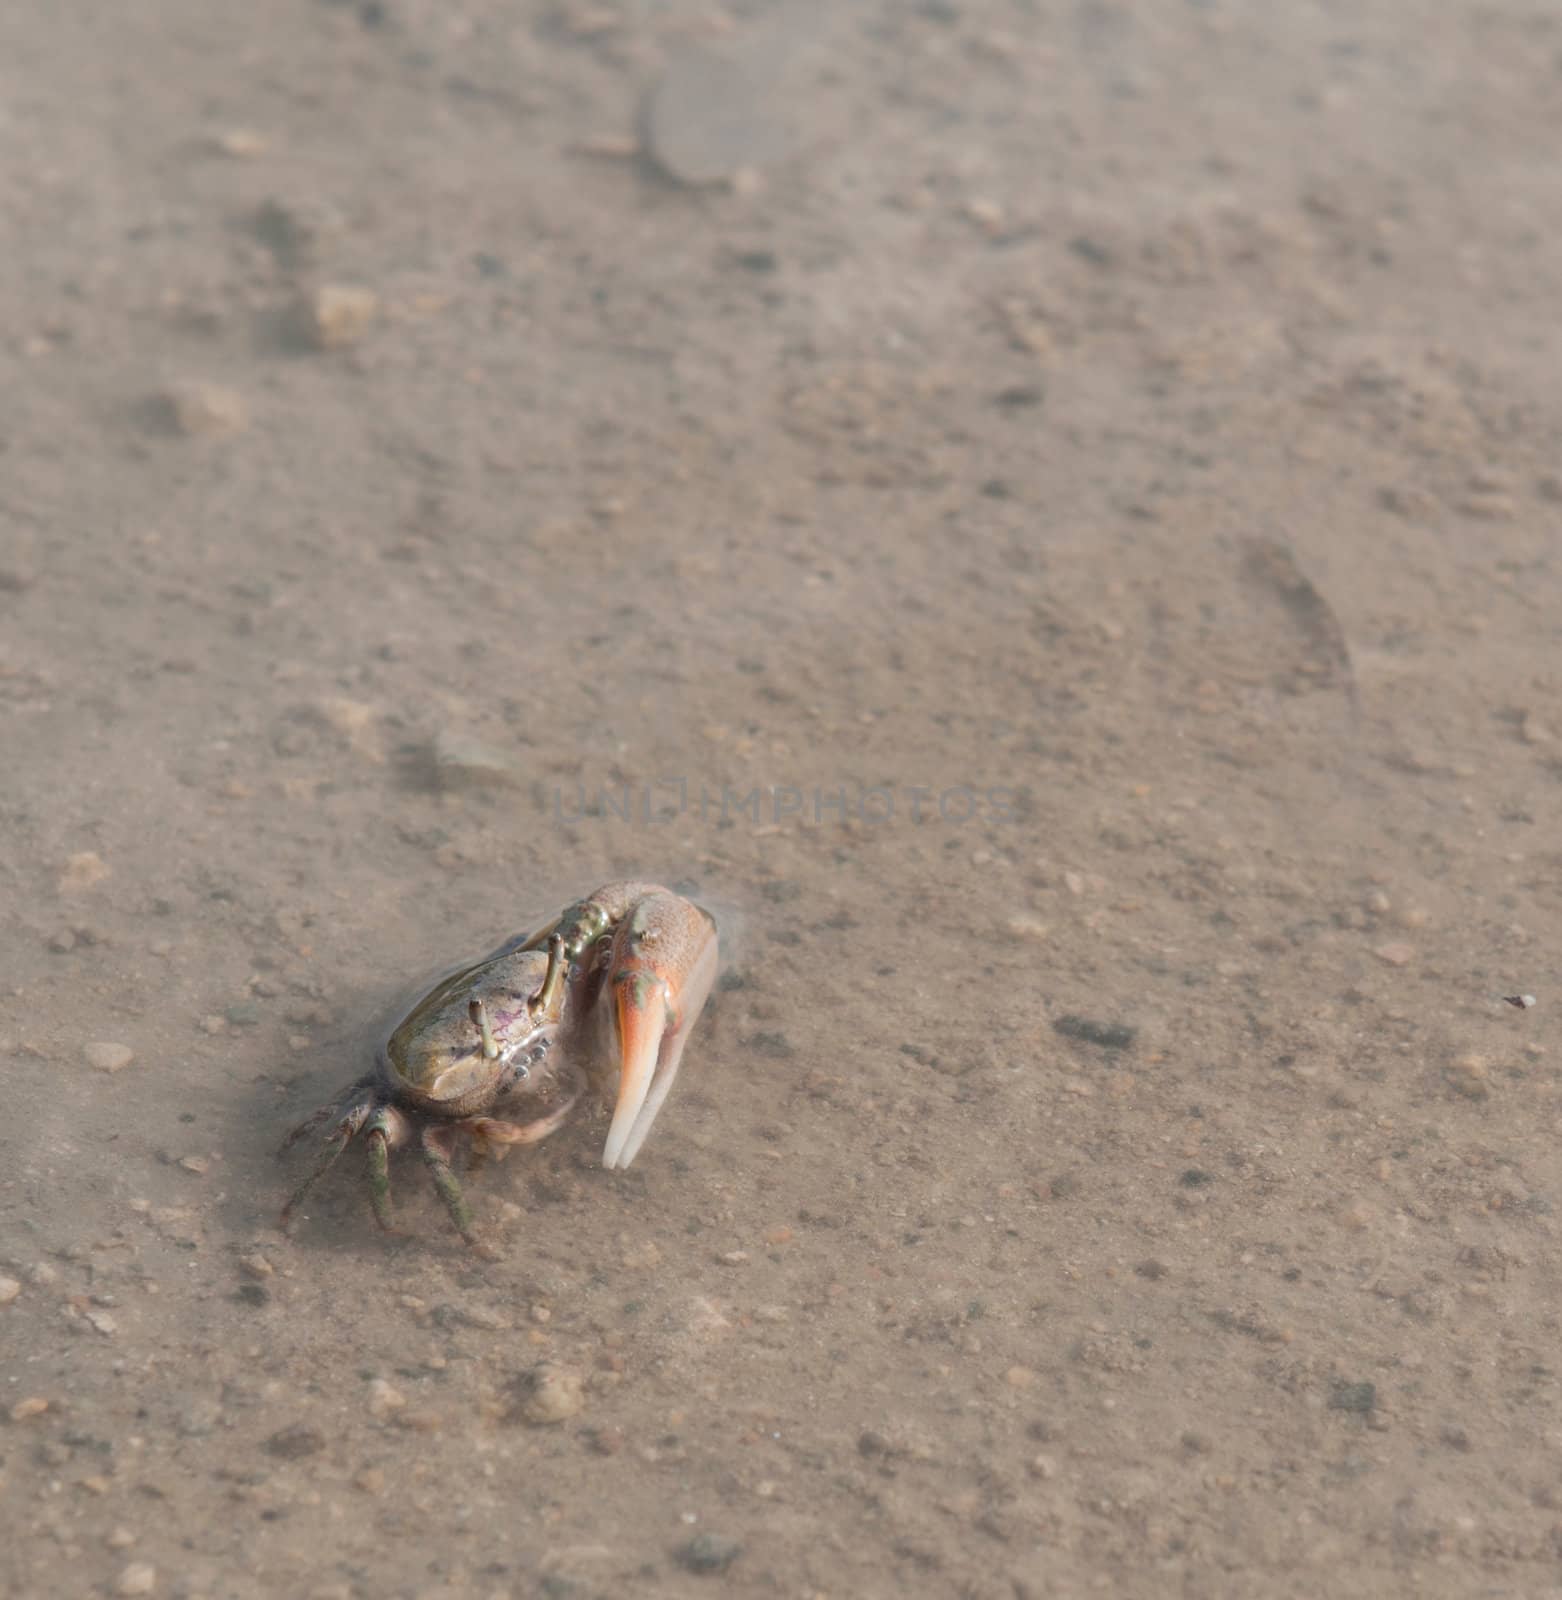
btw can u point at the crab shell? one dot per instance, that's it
(433, 1059)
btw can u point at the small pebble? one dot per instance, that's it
(1020, 1377)
(706, 121)
(293, 1444)
(1028, 927)
(337, 315)
(1467, 1075)
(140, 1577)
(255, 1266)
(1109, 1035)
(241, 144)
(355, 721)
(384, 1398)
(9, 1289)
(1395, 955)
(987, 214)
(33, 1406)
(199, 1165)
(1360, 1398)
(119, 1539)
(709, 1552)
(108, 1057)
(214, 1024)
(198, 409)
(82, 871)
(557, 1393)
(464, 762)
(101, 1322)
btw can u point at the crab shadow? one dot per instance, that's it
(509, 1195)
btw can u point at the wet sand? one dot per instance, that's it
(1061, 556)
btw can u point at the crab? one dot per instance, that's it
(501, 1050)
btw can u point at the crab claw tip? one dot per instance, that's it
(641, 1014)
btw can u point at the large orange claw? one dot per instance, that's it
(660, 973)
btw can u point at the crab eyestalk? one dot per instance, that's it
(479, 1014)
(546, 1004)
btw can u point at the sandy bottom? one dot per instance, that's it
(1059, 551)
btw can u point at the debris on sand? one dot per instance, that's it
(336, 315)
(82, 871)
(461, 761)
(554, 1394)
(1271, 564)
(106, 1057)
(709, 1553)
(298, 231)
(1109, 1035)
(197, 409)
(706, 121)
(1360, 1398)
(295, 1443)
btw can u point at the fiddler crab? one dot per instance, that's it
(611, 988)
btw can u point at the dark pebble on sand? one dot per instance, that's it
(1358, 1397)
(293, 1444)
(1109, 1035)
(709, 1552)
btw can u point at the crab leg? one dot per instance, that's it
(435, 1149)
(333, 1108)
(662, 966)
(353, 1119)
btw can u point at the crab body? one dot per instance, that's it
(501, 1050)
